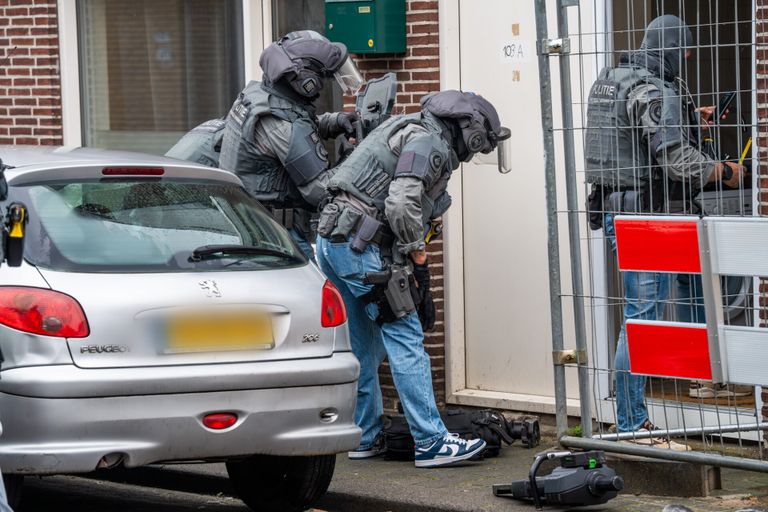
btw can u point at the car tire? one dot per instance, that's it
(269, 483)
(13, 488)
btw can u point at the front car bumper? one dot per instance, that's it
(47, 435)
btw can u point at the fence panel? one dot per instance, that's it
(653, 144)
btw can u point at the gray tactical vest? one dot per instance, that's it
(201, 144)
(368, 171)
(616, 155)
(263, 176)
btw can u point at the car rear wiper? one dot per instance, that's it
(205, 251)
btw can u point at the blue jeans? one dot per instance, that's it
(401, 341)
(645, 294)
(303, 244)
(4, 507)
(690, 299)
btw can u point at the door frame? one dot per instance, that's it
(457, 392)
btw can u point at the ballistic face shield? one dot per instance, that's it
(478, 124)
(304, 58)
(504, 150)
(348, 77)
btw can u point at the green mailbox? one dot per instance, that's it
(367, 26)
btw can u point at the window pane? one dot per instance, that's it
(153, 69)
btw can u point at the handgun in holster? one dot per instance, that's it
(395, 283)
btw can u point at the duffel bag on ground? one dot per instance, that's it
(486, 424)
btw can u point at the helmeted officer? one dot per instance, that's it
(202, 144)
(272, 138)
(372, 232)
(644, 152)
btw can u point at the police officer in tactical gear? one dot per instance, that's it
(202, 144)
(372, 247)
(272, 138)
(644, 153)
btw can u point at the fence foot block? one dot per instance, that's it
(643, 475)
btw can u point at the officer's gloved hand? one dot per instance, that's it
(337, 123)
(426, 306)
(344, 148)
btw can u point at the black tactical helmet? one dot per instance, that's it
(474, 116)
(302, 59)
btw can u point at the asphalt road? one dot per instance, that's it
(138, 492)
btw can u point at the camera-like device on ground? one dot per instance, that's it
(582, 479)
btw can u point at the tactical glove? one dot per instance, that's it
(344, 148)
(426, 306)
(337, 123)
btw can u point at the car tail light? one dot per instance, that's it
(41, 311)
(133, 171)
(219, 420)
(333, 311)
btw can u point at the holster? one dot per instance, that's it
(393, 292)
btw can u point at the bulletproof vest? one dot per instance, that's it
(263, 176)
(615, 154)
(201, 144)
(368, 171)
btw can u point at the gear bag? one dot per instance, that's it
(487, 424)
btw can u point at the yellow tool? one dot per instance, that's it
(745, 152)
(434, 231)
(17, 216)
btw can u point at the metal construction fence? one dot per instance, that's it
(649, 113)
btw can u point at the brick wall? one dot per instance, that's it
(418, 73)
(761, 19)
(30, 87)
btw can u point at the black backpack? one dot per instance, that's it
(486, 424)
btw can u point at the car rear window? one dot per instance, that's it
(149, 226)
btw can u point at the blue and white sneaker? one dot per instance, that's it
(376, 449)
(447, 451)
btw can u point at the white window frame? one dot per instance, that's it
(257, 33)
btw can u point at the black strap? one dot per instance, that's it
(494, 421)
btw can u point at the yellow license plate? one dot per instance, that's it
(220, 332)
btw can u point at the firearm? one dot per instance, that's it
(398, 291)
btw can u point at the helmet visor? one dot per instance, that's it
(504, 150)
(349, 78)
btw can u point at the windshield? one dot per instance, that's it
(150, 226)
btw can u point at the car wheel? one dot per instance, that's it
(268, 483)
(13, 487)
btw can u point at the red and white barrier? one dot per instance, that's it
(710, 246)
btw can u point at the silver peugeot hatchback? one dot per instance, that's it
(161, 315)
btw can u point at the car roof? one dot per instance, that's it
(26, 161)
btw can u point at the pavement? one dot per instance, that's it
(390, 486)
(379, 485)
